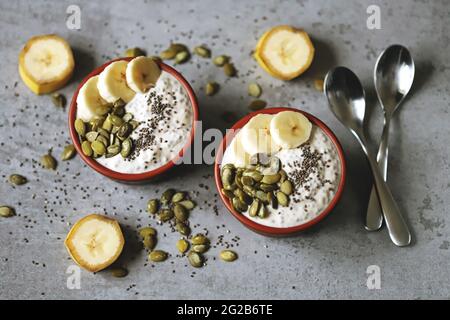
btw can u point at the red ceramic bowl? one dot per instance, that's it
(273, 231)
(129, 177)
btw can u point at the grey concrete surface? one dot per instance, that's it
(326, 262)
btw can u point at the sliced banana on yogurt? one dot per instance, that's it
(290, 129)
(89, 101)
(257, 137)
(112, 83)
(142, 74)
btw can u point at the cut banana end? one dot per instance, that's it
(238, 156)
(46, 63)
(89, 101)
(95, 242)
(256, 135)
(284, 52)
(290, 129)
(112, 83)
(142, 74)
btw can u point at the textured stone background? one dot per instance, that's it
(330, 260)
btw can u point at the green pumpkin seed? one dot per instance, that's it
(157, 256)
(282, 199)
(195, 259)
(211, 88)
(155, 58)
(271, 199)
(147, 231)
(98, 147)
(112, 150)
(152, 206)
(200, 248)
(177, 197)
(168, 54)
(283, 175)
(182, 57)
(86, 148)
(166, 196)
(255, 175)
(183, 229)
(80, 127)
(178, 47)
(229, 69)
(103, 140)
(91, 136)
(119, 272)
(96, 123)
(59, 100)
(271, 178)
(251, 191)
(247, 181)
(102, 132)
(243, 196)
(17, 179)
(254, 208)
(254, 90)
(188, 204)
(68, 152)
(227, 193)
(228, 166)
(263, 212)
(182, 245)
(127, 145)
(124, 131)
(134, 52)
(256, 105)
(6, 212)
(116, 120)
(149, 242)
(199, 239)
(286, 187)
(239, 205)
(181, 213)
(268, 187)
(261, 195)
(202, 51)
(228, 255)
(220, 60)
(227, 176)
(48, 162)
(165, 215)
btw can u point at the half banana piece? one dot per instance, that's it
(142, 74)
(95, 242)
(89, 101)
(290, 129)
(112, 83)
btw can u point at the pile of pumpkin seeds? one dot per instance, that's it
(263, 183)
(176, 51)
(107, 135)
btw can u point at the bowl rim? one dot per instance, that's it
(132, 177)
(268, 230)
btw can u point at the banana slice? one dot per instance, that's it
(256, 135)
(237, 154)
(46, 63)
(284, 52)
(112, 83)
(290, 129)
(95, 242)
(142, 74)
(89, 101)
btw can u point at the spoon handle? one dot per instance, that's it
(374, 217)
(398, 230)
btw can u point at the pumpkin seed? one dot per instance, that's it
(263, 212)
(134, 124)
(211, 88)
(239, 205)
(183, 229)
(17, 179)
(6, 212)
(257, 105)
(254, 90)
(282, 199)
(96, 123)
(228, 166)
(86, 148)
(165, 215)
(177, 197)
(286, 187)
(227, 193)
(167, 195)
(188, 204)
(155, 58)
(227, 176)
(134, 52)
(268, 187)
(195, 259)
(271, 178)
(243, 196)
(48, 162)
(229, 69)
(103, 140)
(202, 51)
(178, 47)
(261, 195)
(119, 272)
(80, 127)
(200, 248)
(251, 191)
(168, 54)
(149, 242)
(157, 256)
(181, 213)
(115, 120)
(220, 60)
(102, 132)
(112, 150)
(98, 147)
(228, 255)
(59, 100)
(182, 57)
(124, 131)
(147, 231)
(254, 208)
(255, 175)
(247, 181)
(152, 206)
(271, 199)
(127, 145)
(283, 175)
(199, 239)
(68, 152)
(182, 245)
(91, 136)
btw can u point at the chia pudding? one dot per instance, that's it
(314, 169)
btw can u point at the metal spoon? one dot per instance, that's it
(346, 98)
(393, 78)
